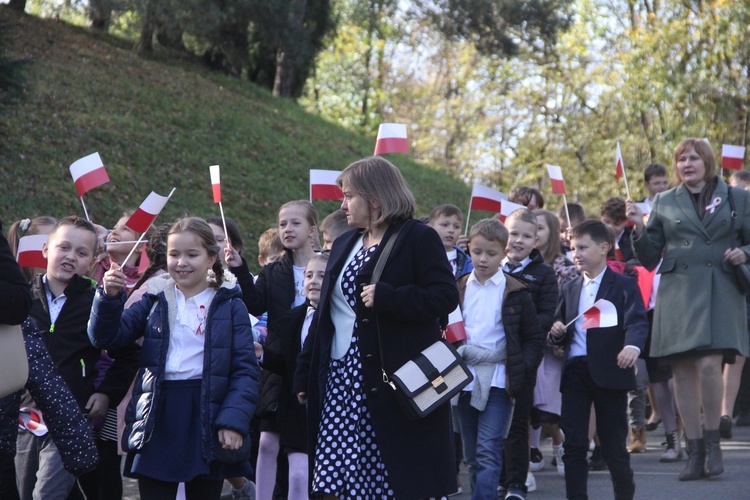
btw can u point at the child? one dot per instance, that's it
(446, 220)
(196, 389)
(279, 355)
(577, 215)
(61, 305)
(279, 288)
(545, 415)
(29, 227)
(118, 248)
(504, 340)
(524, 262)
(605, 377)
(613, 215)
(270, 248)
(234, 237)
(529, 197)
(655, 180)
(332, 227)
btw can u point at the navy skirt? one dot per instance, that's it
(175, 452)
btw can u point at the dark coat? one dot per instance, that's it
(14, 289)
(65, 421)
(524, 338)
(416, 288)
(463, 262)
(69, 346)
(604, 344)
(541, 280)
(280, 357)
(230, 370)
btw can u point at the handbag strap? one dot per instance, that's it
(732, 235)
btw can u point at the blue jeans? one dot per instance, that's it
(483, 433)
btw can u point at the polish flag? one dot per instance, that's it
(88, 173)
(555, 175)
(619, 165)
(30, 251)
(601, 315)
(323, 185)
(146, 214)
(732, 157)
(484, 198)
(32, 420)
(391, 139)
(507, 208)
(455, 331)
(214, 170)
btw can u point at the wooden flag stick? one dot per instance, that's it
(625, 176)
(85, 212)
(140, 240)
(567, 213)
(468, 216)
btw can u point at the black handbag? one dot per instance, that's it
(741, 271)
(430, 379)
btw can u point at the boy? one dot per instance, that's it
(605, 377)
(270, 248)
(503, 342)
(655, 180)
(523, 261)
(61, 304)
(332, 227)
(577, 215)
(613, 215)
(446, 220)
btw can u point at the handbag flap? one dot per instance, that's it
(14, 368)
(427, 368)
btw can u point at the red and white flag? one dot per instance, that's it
(146, 214)
(88, 173)
(32, 420)
(556, 177)
(732, 157)
(30, 251)
(455, 330)
(215, 173)
(619, 165)
(484, 198)
(323, 185)
(507, 208)
(391, 139)
(601, 315)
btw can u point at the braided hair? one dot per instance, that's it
(156, 250)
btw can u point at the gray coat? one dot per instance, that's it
(698, 304)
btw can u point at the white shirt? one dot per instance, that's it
(588, 296)
(525, 262)
(55, 304)
(306, 325)
(453, 260)
(187, 341)
(483, 319)
(299, 286)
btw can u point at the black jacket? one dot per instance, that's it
(15, 299)
(524, 339)
(68, 344)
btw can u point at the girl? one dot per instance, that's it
(234, 237)
(278, 289)
(545, 416)
(279, 355)
(118, 247)
(29, 227)
(196, 389)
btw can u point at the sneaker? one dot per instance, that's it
(515, 492)
(460, 488)
(558, 451)
(501, 491)
(247, 492)
(596, 462)
(536, 460)
(530, 482)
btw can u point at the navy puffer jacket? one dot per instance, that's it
(230, 371)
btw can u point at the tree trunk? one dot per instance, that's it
(288, 51)
(100, 14)
(146, 43)
(19, 5)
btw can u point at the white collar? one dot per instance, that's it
(497, 279)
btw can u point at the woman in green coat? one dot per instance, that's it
(700, 316)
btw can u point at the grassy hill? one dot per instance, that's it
(159, 123)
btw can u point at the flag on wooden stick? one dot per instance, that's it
(391, 139)
(732, 157)
(323, 185)
(88, 172)
(556, 177)
(31, 251)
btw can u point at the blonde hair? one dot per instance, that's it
(269, 243)
(703, 149)
(490, 230)
(381, 185)
(311, 213)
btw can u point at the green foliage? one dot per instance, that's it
(158, 125)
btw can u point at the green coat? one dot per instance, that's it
(698, 304)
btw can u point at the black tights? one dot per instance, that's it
(197, 489)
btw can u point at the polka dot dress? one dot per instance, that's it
(347, 460)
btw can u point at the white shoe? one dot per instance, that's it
(559, 452)
(536, 460)
(530, 482)
(247, 492)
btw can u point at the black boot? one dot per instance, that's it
(696, 460)
(626, 492)
(714, 462)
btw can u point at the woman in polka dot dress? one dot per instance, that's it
(363, 444)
